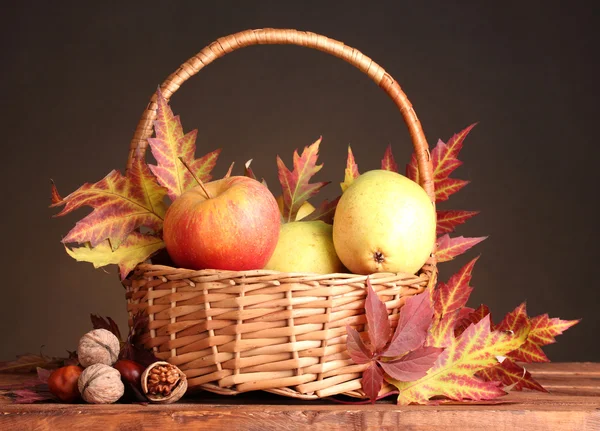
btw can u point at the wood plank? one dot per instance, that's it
(572, 404)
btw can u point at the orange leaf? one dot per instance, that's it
(351, 171)
(454, 373)
(445, 156)
(388, 163)
(444, 160)
(448, 248)
(447, 187)
(295, 184)
(448, 220)
(511, 375)
(121, 204)
(472, 317)
(454, 295)
(543, 330)
(169, 144)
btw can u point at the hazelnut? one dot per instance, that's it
(163, 382)
(62, 383)
(100, 384)
(99, 346)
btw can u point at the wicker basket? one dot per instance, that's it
(234, 332)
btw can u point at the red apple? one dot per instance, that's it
(237, 228)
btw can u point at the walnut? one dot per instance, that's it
(100, 384)
(98, 347)
(163, 382)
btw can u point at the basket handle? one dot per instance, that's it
(270, 36)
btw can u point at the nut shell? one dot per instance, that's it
(100, 384)
(178, 389)
(99, 346)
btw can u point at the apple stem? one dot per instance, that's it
(198, 180)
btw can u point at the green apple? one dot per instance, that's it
(305, 246)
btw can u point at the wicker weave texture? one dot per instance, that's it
(233, 332)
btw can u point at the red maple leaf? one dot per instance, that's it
(448, 248)
(512, 376)
(388, 163)
(295, 185)
(169, 144)
(470, 318)
(543, 332)
(401, 355)
(448, 301)
(448, 220)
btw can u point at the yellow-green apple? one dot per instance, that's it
(236, 228)
(305, 246)
(384, 222)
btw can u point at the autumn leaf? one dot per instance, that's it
(28, 363)
(169, 144)
(444, 189)
(453, 374)
(444, 159)
(402, 355)
(512, 376)
(357, 350)
(120, 205)
(452, 296)
(448, 220)
(415, 318)
(351, 171)
(412, 169)
(543, 332)
(378, 324)
(448, 301)
(107, 323)
(248, 170)
(441, 333)
(473, 316)
(55, 197)
(295, 184)
(448, 248)
(413, 365)
(371, 381)
(444, 156)
(323, 212)
(135, 249)
(388, 163)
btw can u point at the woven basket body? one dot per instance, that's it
(233, 332)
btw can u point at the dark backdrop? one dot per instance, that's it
(77, 75)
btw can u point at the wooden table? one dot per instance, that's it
(573, 404)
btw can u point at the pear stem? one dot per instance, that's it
(198, 180)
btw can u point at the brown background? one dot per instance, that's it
(76, 78)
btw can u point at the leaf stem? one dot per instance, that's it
(198, 180)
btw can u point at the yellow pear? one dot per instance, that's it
(384, 222)
(305, 246)
(305, 209)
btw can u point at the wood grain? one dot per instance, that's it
(573, 403)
